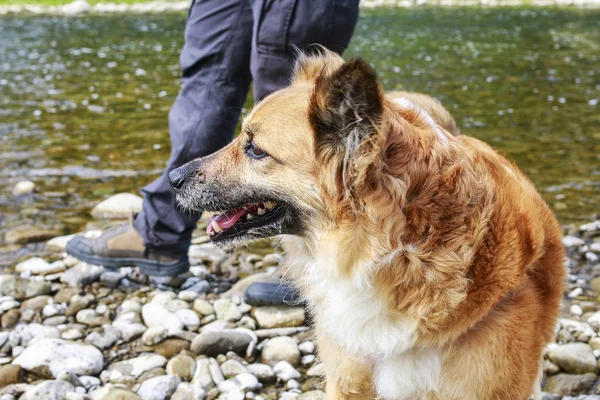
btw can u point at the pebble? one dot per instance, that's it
(574, 358)
(203, 307)
(306, 347)
(28, 234)
(118, 206)
(231, 368)
(39, 266)
(226, 310)
(49, 390)
(263, 372)
(182, 366)
(23, 188)
(111, 392)
(104, 338)
(189, 318)
(82, 274)
(154, 335)
(213, 343)
(285, 371)
(279, 317)
(158, 388)
(282, 348)
(22, 288)
(129, 331)
(59, 355)
(155, 314)
(136, 366)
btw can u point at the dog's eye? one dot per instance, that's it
(254, 151)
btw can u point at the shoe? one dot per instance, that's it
(272, 294)
(123, 246)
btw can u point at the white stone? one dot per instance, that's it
(203, 307)
(572, 241)
(49, 390)
(188, 295)
(226, 310)
(154, 335)
(189, 318)
(29, 334)
(120, 205)
(285, 371)
(129, 330)
(23, 187)
(262, 371)
(281, 348)
(231, 368)
(8, 305)
(75, 8)
(576, 292)
(576, 310)
(137, 366)
(316, 370)
(157, 315)
(307, 359)
(61, 355)
(158, 388)
(39, 266)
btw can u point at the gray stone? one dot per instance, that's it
(565, 384)
(263, 372)
(21, 289)
(53, 356)
(137, 366)
(105, 338)
(213, 343)
(574, 358)
(231, 368)
(281, 348)
(159, 388)
(49, 390)
(81, 274)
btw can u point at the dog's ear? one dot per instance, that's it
(346, 105)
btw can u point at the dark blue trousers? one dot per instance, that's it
(228, 45)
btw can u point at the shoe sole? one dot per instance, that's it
(147, 267)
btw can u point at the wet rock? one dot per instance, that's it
(155, 314)
(137, 366)
(28, 234)
(49, 390)
(159, 388)
(226, 310)
(49, 357)
(263, 372)
(119, 206)
(82, 274)
(23, 188)
(565, 384)
(279, 317)
(281, 348)
(285, 371)
(10, 318)
(39, 266)
(574, 358)
(104, 338)
(182, 366)
(21, 289)
(171, 346)
(10, 374)
(213, 343)
(110, 392)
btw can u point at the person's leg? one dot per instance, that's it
(216, 80)
(281, 27)
(216, 77)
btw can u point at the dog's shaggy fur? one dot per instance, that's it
(433, 267)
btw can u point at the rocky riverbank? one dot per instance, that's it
(81, 7)
(75, 331)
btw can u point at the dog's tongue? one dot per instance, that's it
(227, 220)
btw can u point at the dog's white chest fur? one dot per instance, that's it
(355, 315)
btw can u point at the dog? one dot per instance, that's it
(432, 266)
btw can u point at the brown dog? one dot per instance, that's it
(433, 267)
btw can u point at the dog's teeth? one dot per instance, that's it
(249, 216)
(216, 227)
(260, 211)
(270, 204)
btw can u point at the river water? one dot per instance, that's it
(84, 101)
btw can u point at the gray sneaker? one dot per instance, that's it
(122, 247)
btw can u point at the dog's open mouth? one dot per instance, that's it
(235, 223)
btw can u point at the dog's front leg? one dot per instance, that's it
(347, 377)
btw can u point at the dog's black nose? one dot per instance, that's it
(176, 178)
